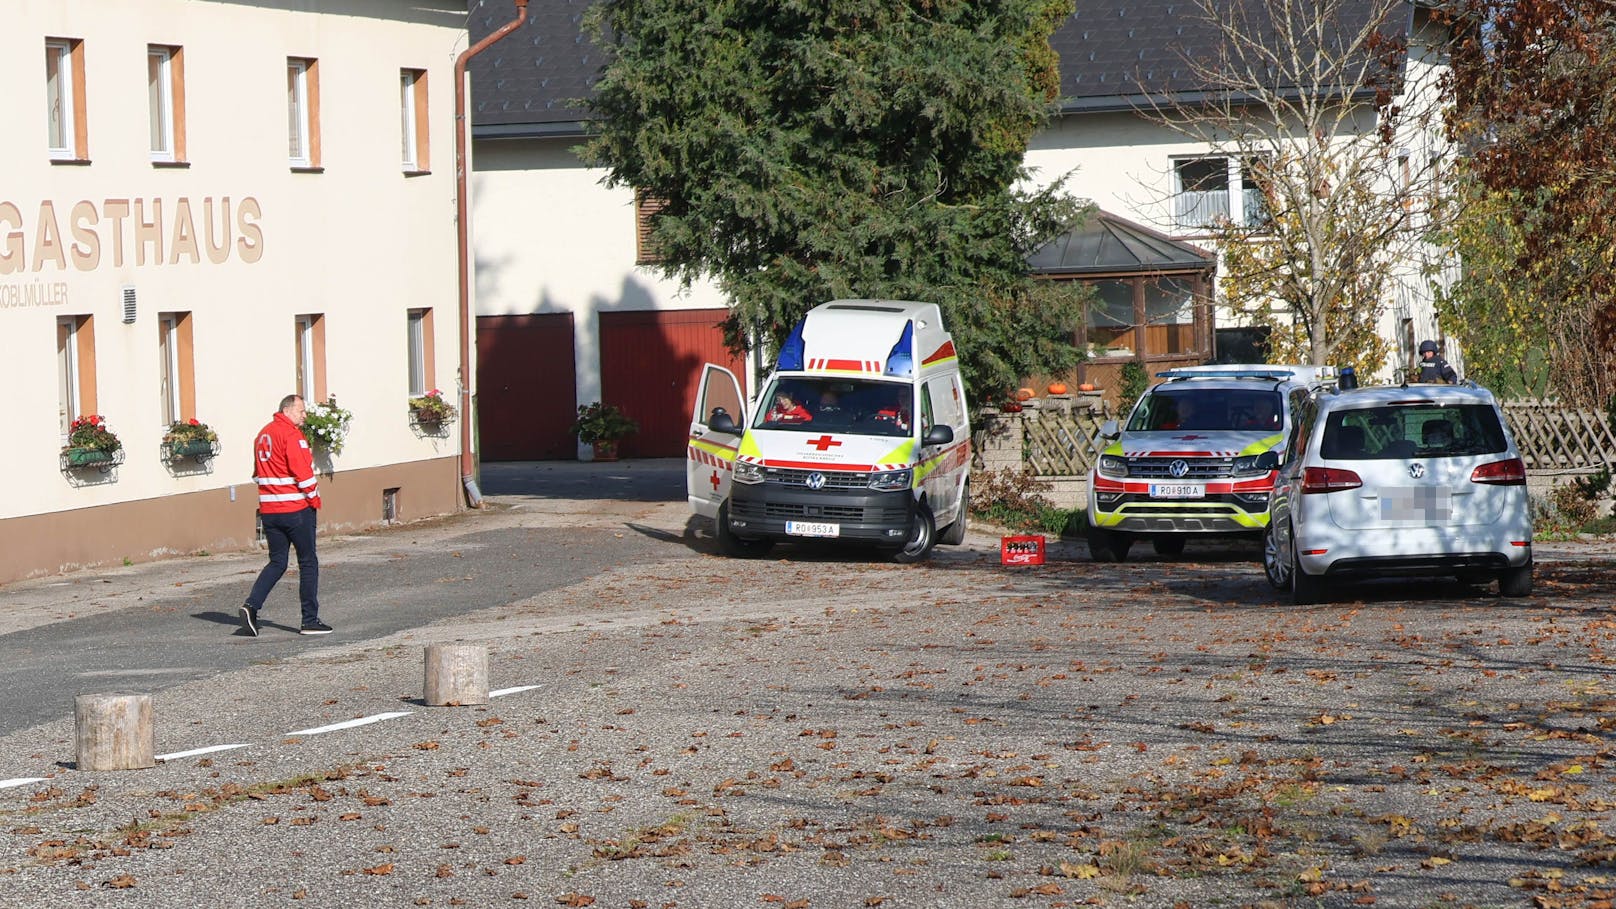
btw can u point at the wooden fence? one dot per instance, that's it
(1555, 439)
(1056, 442)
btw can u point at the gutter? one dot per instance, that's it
(468, 479)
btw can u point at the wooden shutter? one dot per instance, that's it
(646, 249)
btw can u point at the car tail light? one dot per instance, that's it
(1329, 479)
(1501, 473)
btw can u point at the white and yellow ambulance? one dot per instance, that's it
(860, 434)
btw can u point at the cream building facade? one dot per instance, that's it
(206, 206)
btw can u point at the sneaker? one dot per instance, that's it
(249, 619)
(315, 627)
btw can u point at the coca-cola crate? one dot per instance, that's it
(1024, 550)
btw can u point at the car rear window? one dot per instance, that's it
(1399, 431)
(1209, 409)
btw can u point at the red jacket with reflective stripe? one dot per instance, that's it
(283, 466)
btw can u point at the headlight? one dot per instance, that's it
(747, 472)
(892, 479)
(1246, 466)
(1113, 466)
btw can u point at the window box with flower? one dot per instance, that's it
(91, 444)
(190, 439)
(431, 412)
(326, 425)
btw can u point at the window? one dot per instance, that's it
(1209, 188)
(176, 372)
(1203, 192)
(646, 249)
(68, 139)
(310, 331)
(75, 368)
(165, 90)
(413, 120)
(303, 112)
(419, 351)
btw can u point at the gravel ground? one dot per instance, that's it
(823, 730)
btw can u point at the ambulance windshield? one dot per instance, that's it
(805, 404)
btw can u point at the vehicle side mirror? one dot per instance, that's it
(1268, 460)
(1110, 430)
(941, 434)
(721, 421)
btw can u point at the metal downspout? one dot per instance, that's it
(462, 234)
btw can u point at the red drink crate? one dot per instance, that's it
(1028, 550)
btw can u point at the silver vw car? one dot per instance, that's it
(1398, 480)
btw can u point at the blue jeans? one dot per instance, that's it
(294, 530)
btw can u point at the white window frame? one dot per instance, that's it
(305, 357)
(60, 107)
(1237, 200)
(411, 150)
(168, 349)
(67, 371)
(160, 94)
(415, 352)
(298, 132)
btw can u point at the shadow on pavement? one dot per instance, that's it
(640, 480)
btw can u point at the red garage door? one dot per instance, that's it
(650, 365)
(526, 395)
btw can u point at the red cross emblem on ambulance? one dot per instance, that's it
(824, 443)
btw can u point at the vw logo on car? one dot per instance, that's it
(815, 480)
(1179, 469)
(1416, 470)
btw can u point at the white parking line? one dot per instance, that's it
(196, 751)
(517, 690)
(349, 724)
(21, 781)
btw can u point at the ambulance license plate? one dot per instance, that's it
(1177, 491)
(813, 529)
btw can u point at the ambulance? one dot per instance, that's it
(860, 435)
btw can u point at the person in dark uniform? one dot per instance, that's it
(1432, 367)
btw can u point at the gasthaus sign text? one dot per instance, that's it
(83, 234)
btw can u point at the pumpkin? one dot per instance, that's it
(1024, 394)
(1086, 386)
(1057, 388)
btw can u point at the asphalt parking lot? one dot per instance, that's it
(823, 729)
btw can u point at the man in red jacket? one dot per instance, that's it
(288, 503)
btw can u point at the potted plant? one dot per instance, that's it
(326, 425)
(602, 426)
(431, 410)
(190, 439)
(91, 444)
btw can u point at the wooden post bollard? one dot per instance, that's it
(113, 732)
(456, 674)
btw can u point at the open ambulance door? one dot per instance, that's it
(710, 458)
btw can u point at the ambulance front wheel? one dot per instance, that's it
(922, 536)
(737, 547)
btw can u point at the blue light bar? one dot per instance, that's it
(901, 361)
(791, 352)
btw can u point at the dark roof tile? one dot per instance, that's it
(1113, 53)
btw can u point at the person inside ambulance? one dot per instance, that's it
(785, 409)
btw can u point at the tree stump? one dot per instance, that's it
(456, 674)
(113, 731)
